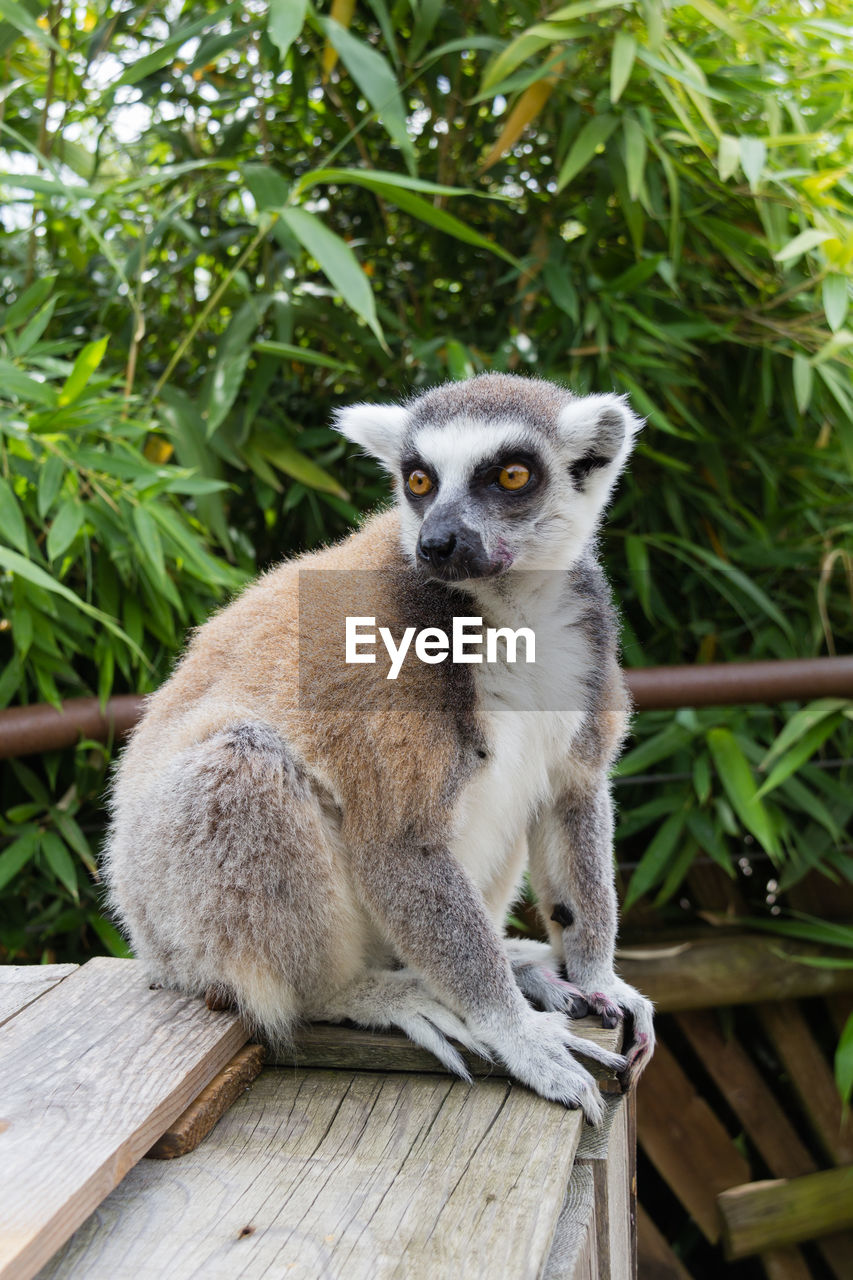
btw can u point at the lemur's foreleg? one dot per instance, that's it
(571, 868)
(438, 923)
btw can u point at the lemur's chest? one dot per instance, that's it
(530, 715)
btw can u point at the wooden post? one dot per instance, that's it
(765, 1215)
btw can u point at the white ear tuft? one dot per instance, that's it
(378, 428)
(600, 424)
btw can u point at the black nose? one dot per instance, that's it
(437, 547)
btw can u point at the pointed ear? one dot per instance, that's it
(378, 428)
(600, 432)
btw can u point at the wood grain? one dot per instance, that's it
(322, 1045)
(785, 1211)
(21, 984)
(748, 1094)
(685, 1141)
(811, 1077)
(728, 969)
(355, 1174)
(92, 1073)
(194, 1124)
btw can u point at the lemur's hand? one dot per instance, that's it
(614, 999)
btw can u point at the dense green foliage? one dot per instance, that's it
(219, 223)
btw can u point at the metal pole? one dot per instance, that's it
(31, 730)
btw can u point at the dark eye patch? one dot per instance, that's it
(581, 467)
(485, 476)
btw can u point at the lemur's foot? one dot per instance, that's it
(398, 998)
(616, 1000)
(540, 1052)
(534, 968)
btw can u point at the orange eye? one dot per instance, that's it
(419, 483)
(515, 476)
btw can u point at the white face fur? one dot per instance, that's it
(498, 472)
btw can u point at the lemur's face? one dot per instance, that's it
(497, 472)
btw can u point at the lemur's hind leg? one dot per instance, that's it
(571, 868)
(228, 887)
(384, 998)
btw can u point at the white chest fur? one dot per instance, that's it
(530, 714)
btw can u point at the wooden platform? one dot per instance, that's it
(365, 1159)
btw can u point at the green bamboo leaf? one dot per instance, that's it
(434, 216)
(728, 156)
(621, 62)
(337, 261)
(709, 840)
(736, 776)
(224, 388)
(23, 21)
(800, 753)
(268, 188)
(13, 381)
(636, 149)
(803, 375)
(165, 51)
(16, 856)
(287, 458)
(835, 301)
(24, 341)
(593, 135)
(659, 747)
(28, 304)
(301, 355)
(60, 862)
(30, 572)
(800, 723)
(63, 531)
(84, 366)
(844, 1062)
(803, 243)
(150, 541)
(12, 524)
(72, 834)
(286, 20)
(656, 859)
(374, 77)
(516, 52)
(110, 937)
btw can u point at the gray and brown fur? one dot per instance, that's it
(291, 834)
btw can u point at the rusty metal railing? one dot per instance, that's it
(31, 730)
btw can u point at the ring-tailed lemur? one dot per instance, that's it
(289, 838)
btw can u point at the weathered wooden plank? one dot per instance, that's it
(92, 1073)
(685, 1141)
(324, 1046)
(785, 1211)
(21, 984)
(194, 1124)
(748, 1094)
(658, 1261)
(350, 1174)
(573, 1254)
(811, 1077)
(724, 969)
(785, 1264)
(597, 1235)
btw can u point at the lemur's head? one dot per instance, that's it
(498, 471)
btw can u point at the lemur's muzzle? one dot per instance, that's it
(453, 551)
